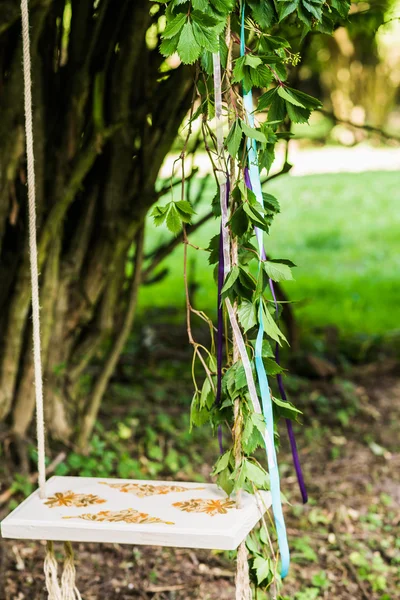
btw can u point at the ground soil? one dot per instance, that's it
(345, 542)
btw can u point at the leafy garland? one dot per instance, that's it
(196, 30)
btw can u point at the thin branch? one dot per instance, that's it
(369, 128)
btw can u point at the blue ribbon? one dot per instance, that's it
(266, 400)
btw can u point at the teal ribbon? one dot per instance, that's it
(266, 400)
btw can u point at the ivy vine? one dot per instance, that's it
(196, 30)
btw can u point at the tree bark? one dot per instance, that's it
(104, 119)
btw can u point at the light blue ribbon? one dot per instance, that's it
(266, 400)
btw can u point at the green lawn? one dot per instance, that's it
(343, 232)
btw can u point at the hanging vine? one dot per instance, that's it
(243, 48)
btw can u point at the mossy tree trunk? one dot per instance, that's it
(104, 119)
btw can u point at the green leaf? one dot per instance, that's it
(240, 377)
(230, 279)
(254, 441)
(188, 49)
(272, 367)
(273, 42)
(267, 351)
(198, 416)
(255, 429)
(224, 481)
(185, 210)
(305, 99)
(252, 545)
(267, 157)
(253, 133)
(255, 474)
(252, 61)
(277, 109)
(255, 217)
(286, 8)
(238, 477)
(200, 4)
(247, 315)
(159, 214)
(286, 95)
(174, 26)
(277, 271)
(266, 99)
(305, 17)
(342, 7)
(239, 222)
(206, 38)
(316, 11)
(297, 114)
(263, 13)
(222, 463)
(168, 47)
(246, 280)
(234, 138)
(206, 392)
(259, 422)
(292, 411)
(284, 261)
(271, 202)
(270, 327)
(262, 567)
(203, 19)
(238, 69)
(247, 429)
(173, 220)
(223, 6)
(213, 248)
(261, 77)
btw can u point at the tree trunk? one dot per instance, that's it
(104, 119)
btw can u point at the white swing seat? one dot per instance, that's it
(138, 512)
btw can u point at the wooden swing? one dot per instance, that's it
(160, 513)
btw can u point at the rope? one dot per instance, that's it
(68, 590)
(243, 589)
(33, 248)
(51, 574)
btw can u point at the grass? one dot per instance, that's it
(342, 230)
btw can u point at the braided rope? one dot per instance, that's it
(243, 589)
(68, 589)
(33, 248)
(51, 574)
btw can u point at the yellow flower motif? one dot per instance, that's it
(128, 515)
(210, 507)
(141, 490)
(72, 499)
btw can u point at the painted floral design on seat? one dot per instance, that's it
(210, 507)
(70, 498)
(128, 515)
(141, 490)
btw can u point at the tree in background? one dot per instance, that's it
(357, 69)
(104, 119)
(107, 108)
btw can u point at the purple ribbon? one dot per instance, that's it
(220, 322)
(289, 426)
